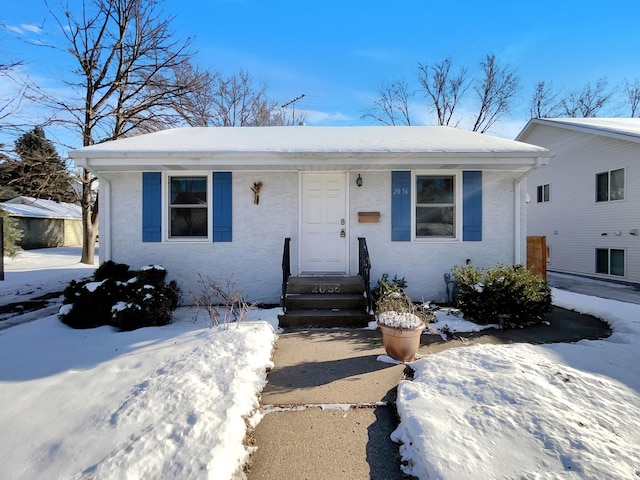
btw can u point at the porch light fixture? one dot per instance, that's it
(359, 181)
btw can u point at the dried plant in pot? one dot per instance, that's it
(401, 324)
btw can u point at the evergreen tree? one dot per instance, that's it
(7, 190)
(39, 171)
(12, 234)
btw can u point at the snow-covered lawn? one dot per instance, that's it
(569, 411)
(163, 402)
(170, 402)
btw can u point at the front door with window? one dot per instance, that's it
(323, 239)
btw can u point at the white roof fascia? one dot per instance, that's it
(595, 126)
(297, 161)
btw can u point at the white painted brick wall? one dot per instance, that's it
(253, 260)
(423, 264)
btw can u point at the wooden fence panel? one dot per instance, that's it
(537, 255)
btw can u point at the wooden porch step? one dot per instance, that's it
(325, 285)
(327, 301)
(325, 319)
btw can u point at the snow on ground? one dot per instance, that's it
(531, 412)
(162, 402)
(36, 272)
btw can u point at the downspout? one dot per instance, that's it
(517, 250)
(105, 220)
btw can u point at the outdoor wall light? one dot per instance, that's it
(359, 181)
(633, 231)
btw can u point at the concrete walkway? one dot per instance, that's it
(330, 405)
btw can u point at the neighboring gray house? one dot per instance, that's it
(221, 201)
(45, 223)
(587, 201)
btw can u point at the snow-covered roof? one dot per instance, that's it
(40, 208)
(622, 128)
(271, 146)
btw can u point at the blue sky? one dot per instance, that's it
(337, 53)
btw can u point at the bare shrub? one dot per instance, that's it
(222, 303)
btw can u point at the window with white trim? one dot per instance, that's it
(610, 261)
(543, 193)
(610, 185)
(435, 206)
(188, 207)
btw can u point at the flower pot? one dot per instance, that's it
(401, 343)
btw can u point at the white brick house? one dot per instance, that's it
(587, 200)
(425, 199)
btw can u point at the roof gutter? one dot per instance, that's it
(540, 162)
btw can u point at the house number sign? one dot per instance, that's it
(326, 289)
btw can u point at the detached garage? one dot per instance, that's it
(46, 223)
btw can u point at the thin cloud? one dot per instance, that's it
(12, 28)
(30, 27)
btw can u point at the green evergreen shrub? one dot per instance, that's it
(385, 286)
(509, 294)
(120, 297)
(11, 234)
(114, 271)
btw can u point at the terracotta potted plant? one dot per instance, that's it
(400, 322)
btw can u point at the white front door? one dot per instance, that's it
(323, 239)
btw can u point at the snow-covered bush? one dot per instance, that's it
(507, 293)
(120, 297)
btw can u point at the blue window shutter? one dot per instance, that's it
(151, 206)
(221, 207)
(472, 206)
(400, 206)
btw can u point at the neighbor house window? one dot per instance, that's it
(188, 207)
(543, 193)
(610, 185)
(435, 206)
(610, 261)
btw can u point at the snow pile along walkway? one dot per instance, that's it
(161, 402)
(554, 411)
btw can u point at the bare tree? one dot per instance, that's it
(495, 93)
(233, 101)
(632, 96)
(545, 102)
(125, 80)
(443, 89)
(195, 106)
(391, 106)
(11, 98)
(588, 101)
(238, 101)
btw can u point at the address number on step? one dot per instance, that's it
(326, 289)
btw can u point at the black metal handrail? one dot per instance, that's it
(286, 271)
(364, 270)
